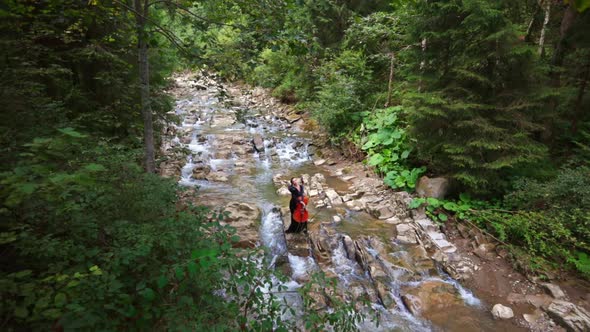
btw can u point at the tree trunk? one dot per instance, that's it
(578, 111)
(390, 84)
(566, 23)
(144, 77)
(529, 30)
(544, 28)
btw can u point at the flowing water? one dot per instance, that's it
(227, 167)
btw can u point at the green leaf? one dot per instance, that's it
(200, 253)
(376, 159)
(148, 294)
(192, 269)
(60, 300)
(405, 154)
(21, 312)
(442, 217)
(22, 274)
(416, 202)
(450, 206)
(179, 273)
(162, 281)
(71, 132)
(465, 197)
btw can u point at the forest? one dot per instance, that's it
(492, 95)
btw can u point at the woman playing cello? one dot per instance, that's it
(298, 207)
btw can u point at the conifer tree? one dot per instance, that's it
(473, 110)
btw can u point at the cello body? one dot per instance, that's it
(301, 214)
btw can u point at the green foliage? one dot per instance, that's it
(476, 117)
(388, 148)
(570, 189)
(339, 104)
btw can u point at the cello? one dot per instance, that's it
(301, 214)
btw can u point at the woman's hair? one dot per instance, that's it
(292, 180)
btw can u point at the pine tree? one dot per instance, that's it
(474, 106)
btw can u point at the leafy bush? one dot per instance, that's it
(569, 189)
(344, 85)
(387, 146)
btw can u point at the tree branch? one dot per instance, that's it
(193, 14)
(163, 31)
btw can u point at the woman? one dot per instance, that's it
(297, 193)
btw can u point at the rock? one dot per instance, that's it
(432, 187)
(349, 246)
(569, 315)
(244, 218)
(283, 191)
(201, 171)
(554, 291)
(336, 218)
(258, 143)
(217, 176)
(502, 312)
(430, 297)
(333, 196)
(319, 162)
(532, 318)
(393, 220)
(540, 300)
(383, 212)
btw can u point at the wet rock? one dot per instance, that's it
(355, 205)
(502, 312)
(297, 244)
(385, 295)
(333, 196)
(244, 218)
(319, 162)
(383, 212)
(432, 187)
(170, 169)
(201, 171)
(283, 191)
(258, 143)
(349, 247)
(217, 177)
(430, 297)
(554, 291)
(406, 234)
(569, 315)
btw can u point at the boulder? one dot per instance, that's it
(432, 187)
(258, 143)
(200, 171)
(244, 218)
(430, 297)
(217, 176)
(569, 315)
(333, 196)
(554, 291)
(502, 312)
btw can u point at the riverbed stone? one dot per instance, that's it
(500, 311)
(432, 187)
(333, 196)
(258, 143)
(244, 217)
(569, 315)
(430, 297)
(554, 291)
